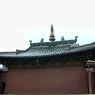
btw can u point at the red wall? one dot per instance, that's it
(47, 80)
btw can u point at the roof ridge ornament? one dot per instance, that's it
(62, 38)
(30, 42)
(76, 38)
(42, 40)
(52, 37)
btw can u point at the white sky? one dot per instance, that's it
(24, 20)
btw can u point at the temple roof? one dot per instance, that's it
(51, 48)
(38, 51)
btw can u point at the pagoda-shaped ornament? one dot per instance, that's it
(52, 37)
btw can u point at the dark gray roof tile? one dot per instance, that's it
(45, 50)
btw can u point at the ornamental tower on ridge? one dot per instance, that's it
(52, 37)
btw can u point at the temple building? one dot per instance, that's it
(53, 67)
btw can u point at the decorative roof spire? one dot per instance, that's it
(52, 37)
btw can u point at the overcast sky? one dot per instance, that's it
(24, 20)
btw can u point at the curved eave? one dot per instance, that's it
(76, 50)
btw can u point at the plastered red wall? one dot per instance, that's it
(58, 80)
